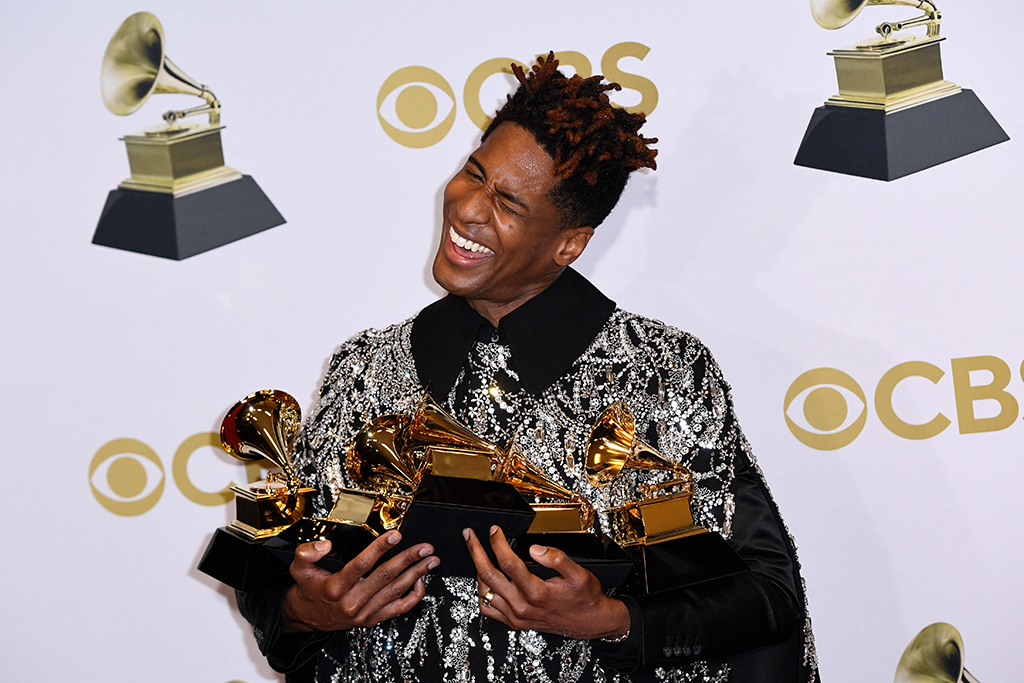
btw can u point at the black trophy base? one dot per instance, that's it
(443, 506)
(171, 227)
(347, 541)
(871, 144)
(597, 553)
(242, 564)
(682, 562)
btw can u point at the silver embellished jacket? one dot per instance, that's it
(541, 379)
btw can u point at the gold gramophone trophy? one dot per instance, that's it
(260, 427)
(895, 114)
(658, 529)
(180, 199)
(438, 473)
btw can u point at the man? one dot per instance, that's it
(525, 347)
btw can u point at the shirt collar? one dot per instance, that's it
(545, 335)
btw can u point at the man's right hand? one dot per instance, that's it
(354, 596)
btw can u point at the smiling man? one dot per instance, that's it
(525, 348)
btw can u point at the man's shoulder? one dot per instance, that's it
(651, 331)
(374, 342)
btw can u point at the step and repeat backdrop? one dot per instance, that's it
(872, 331)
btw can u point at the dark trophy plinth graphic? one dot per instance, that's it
(894, 114)
(657, 530)
(180, 200)
(260, 427)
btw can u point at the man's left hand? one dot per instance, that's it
(571, 604)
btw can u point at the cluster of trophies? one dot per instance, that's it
(430, 477)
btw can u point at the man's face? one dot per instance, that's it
(500, 239)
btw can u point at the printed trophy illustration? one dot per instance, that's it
(181, 199)
(895, 114)
(935, 655)
(658, 529)
(440, 473)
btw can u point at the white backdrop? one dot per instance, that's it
(779, 269)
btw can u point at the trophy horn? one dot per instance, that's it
(263, 426)
(614, 446)
(136, 65)
(375, 461)
(432, 426)
(528, 478)
(935, 655)
(833, 14)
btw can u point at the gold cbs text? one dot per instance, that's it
(416, 105)
(818, 403)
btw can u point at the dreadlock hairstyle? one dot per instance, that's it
(595, 146)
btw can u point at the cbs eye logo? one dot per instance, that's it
(127, 477)
(416, 105)
(825, 409)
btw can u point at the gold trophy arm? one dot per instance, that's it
(932, 17)
(586, 511)
(177, 76)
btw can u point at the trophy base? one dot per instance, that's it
(682, 562)
(241, 563)
(347, 541)
(443, 506)
(872, 144)
(160, 224)
(598, 554)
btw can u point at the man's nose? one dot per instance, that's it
(474, 207)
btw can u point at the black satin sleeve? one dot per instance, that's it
(285, 652)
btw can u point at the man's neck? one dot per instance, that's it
(494, 311)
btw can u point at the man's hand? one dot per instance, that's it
(322, 601)
(571, 604)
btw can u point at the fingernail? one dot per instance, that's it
(433, 563)
(321, 545)
(538, 550)
(465, 533)
(494, 529)
(394, 537)
(426, 550)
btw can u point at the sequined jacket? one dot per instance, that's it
(542, 378)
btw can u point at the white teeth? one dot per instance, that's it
(468, 245)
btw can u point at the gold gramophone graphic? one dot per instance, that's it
(180, 199)
(935, 655)
(895, 114)
(664, 513)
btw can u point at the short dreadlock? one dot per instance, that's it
(595, 146)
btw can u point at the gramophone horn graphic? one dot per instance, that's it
(935, 655)
(895, 114)
(180, 199)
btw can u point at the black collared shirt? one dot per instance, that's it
(545, 335)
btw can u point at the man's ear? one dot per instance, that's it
(574, 241)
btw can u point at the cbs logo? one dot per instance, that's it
(826, 409)
(416, 105)
(127, 477)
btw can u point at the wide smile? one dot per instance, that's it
(468, 248)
